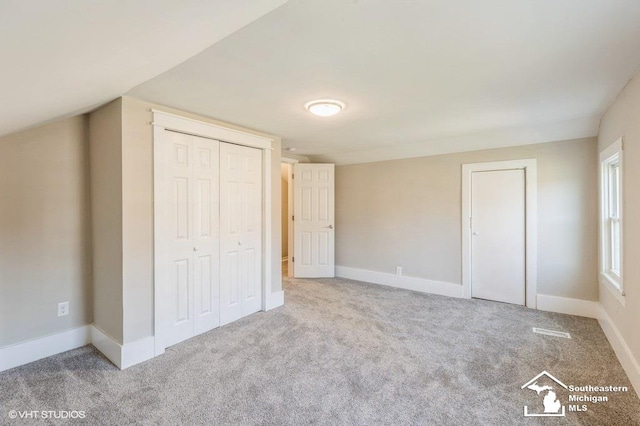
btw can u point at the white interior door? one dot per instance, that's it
(313, 224)
(189, 227)
(498, 235)
(240, 231)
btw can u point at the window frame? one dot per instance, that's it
(612, 173)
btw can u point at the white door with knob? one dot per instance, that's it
(240, 231)
(498, 242)
(313, 220)
(188, 257)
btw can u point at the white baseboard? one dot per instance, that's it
(139, 351)
(107, 345)
(123, 356)
(563, 305)
(275, 299)
(400, 281)
(33, 350)
(624, 354)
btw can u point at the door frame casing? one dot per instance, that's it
(530, 167)
(289, 162)
(163, 121)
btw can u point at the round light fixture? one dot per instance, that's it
(324, 107)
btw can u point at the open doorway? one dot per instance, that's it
(286, 172)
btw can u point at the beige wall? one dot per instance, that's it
(44, 230)
(137, 213)
(137, 219)
(623, 119)
(77, 196)
(284, 180)
(105, 141)
(408, 213)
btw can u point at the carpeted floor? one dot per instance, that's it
(338, 353)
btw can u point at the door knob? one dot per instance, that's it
(195, 249)
(239, 243)
(330, 226)
(476, 233)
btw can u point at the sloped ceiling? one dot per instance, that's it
(60, 57)
(418, 77)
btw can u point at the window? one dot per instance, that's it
(611, 215)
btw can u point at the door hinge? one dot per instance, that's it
(293, 259)
(293, 218)
(293, 175)
(470, 226)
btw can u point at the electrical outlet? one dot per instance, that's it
(398, 270)
(63, 309)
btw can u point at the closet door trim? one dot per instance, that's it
(209, 130)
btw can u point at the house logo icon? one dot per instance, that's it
(545, 385)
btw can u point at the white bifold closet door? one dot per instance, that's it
(189, 282)
(240, 231)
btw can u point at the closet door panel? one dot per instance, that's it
(206, 171)
(252, 230)
(230, 234)
(241, 231)
(177, 279)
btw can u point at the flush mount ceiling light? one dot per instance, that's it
(324, 107)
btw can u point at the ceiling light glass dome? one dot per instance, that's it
(324, 107)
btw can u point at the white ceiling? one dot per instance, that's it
(419, 77)
(60, 57)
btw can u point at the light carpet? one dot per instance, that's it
(341, 352)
